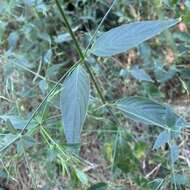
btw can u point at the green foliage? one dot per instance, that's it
(149, 112)
(61, 125)
(174, 153)
(162, 139)
(74, 101)
(15, 121)
(125, 37)
(140, 74)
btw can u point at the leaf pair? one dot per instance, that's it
(74, 102)
(76, 88)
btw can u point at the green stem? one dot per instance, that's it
(70, 29)
(82, 56)
(82, 59)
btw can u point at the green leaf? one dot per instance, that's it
(145, 53)
(53, 70)
(170, 117)
(25, 143)
(162, 139)
(127, 36)
(174, 153)
(73, 102)
(16, 121)
(12, 39)
(151, 90)
(162, 75)
(149, 112)
(140, 74)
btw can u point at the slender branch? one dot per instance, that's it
(82, 56)
(97, 29)
(82, 59)
(69, 29)
(10, 143)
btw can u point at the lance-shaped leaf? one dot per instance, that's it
(162, 139)
(73, 102)
(174, 153)
(149, 112)
(140, 74)
(127, 36)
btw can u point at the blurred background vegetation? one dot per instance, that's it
(36, 50)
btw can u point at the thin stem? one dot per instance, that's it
(115, 149)
(96, 31)
(83, 56)
(76, 157)
(70, 29)
(10, 143)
